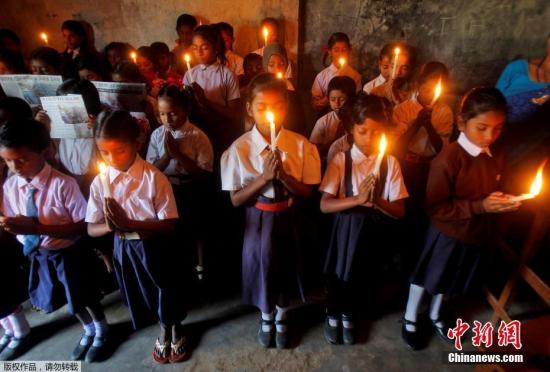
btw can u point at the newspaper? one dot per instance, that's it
(122, 96)
(30, 87)
(69, 118)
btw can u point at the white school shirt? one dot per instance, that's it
(326, 129)
(377, 81)
(320, 84)
(340, 145)
(234, 62)
(334, 179)
(218, 82)
(76, 154)
(192, 142)
(288, 72)
(142, 191)
(58, 201)
(243, 161)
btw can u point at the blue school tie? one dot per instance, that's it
(31, 242)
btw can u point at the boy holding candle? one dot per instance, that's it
(363, 187)
(46, 210)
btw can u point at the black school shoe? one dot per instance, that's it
(264, 338)
(80, 350)
(4, 341)
(331, 333)
(22, 345)
(97, 353)
(348, 334)
(281, 338)
(411, 339)
(441, 331)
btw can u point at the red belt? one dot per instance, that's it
(272, 207)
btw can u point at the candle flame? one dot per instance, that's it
(383, 145)
(396, 51)
(279, 75)
(186, 57)
(536, 186)
(437, 90)
(342, 62)
(265, 32)
(133, 55)
(270, 117)
(102, 168)
(44, 37)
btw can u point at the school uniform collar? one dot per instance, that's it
(260, 144)
(358, 155)
(380, 79)
(333, 67)
(214, 66)
(40, 181)
(135, 171)
(470, 147)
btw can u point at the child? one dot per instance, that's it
(165, 73)
(116, 52)
(214, 86)
(9, 40)
(461, 195)
(361, 200)
(272, 27)
(92, 68)
(329, 127)
(45, 209)
(234, 61)
(398, 89)
(185, 25)
(184, 154)
(266, 182)
(252, 66)
(275, 62)
(146, 65)
(384, 66)
(11, 63)
(77, 47)
(339, 47)
(141, 209)
(46, 61)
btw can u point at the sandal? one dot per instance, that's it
(161, 352)
(179, 351)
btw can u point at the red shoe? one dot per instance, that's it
(179, 351)
(161, 352)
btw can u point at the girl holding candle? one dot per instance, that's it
(361, 201)
(339, 47)
(398, 88)
(46, 210)
(142, 211)
(269, 33)
(461, 195)
(267, 182)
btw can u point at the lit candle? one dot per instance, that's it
(188, 63)
(44, 37)
(133, 55)
(103, 177)
(280, 75)
(536, 186)
(396, 52)
(381, 150)
(271, 119)
(437, 92)
(266, 35)
(342, 62)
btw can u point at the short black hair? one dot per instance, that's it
(78, 28)
(366, 106)
(250, 57)
(48, 55)
(180, 97)
(158, 47)
(129, 72)
(338, 37)
(480, 100)
(118, 125)
(6, 33)
(344, 84)
(265, 81)
(186, 20)
(212, 35)
(93, 63)
(86, 89)
(432, 70)
(25, 133)
(224, 26)
(14, 108)
(13, 60)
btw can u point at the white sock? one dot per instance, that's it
(19, 324)
(89, 330)
(332, 322)
(281, 315)
(415, 297)
(101, 328)
(267, 327)
(6, 324)
(435, 308)
(347, 323)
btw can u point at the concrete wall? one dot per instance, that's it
(474, 38)
(141, 22)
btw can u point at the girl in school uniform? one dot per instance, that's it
(362, 199)
(268, 182)
(46, 209)
(329, 127)
(384, 66)
(461, 194)
(339, 47)
(184, 154)
(136, 202)
(275, 62)
(214, 86)
(398, 89)
(273, 36)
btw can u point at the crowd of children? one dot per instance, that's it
(209, 129)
